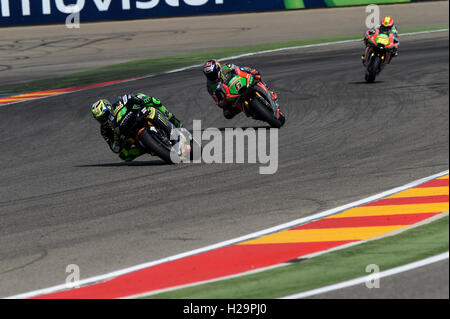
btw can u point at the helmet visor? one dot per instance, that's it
(384, 29)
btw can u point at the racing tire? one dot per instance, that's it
(372, 69)
(262, 113)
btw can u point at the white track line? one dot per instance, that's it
(226, 59)
(361, 280)
(232, 241)
(267, 231)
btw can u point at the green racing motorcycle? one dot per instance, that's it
(149, 128)
(251, 96)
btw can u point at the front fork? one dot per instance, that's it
(366, 55)
(177, 138)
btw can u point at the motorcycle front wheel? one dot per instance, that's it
(372, 69)
(155, 147)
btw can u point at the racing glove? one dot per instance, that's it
(176, 121)
(256, 74)
(115, 147)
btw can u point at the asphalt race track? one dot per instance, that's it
(66, 199)
(43, 52)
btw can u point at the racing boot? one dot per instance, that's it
(229, 112)
(181, 140)
(130, 154)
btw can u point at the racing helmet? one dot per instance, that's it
(101, 110)
(386, 25)
(212, 70)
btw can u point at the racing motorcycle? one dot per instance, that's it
(380, 47)
(252, 97)
(152, 130)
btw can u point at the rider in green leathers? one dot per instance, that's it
(217, 78)
(103, 112)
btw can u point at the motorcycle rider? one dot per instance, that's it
(388, 27)
(217, 79)
(103, 112)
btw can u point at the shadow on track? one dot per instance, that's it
(160, 162)
(364, 82)
(143, 163)
(222, 129)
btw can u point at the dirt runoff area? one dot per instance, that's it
(37, 52)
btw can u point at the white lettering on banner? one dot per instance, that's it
(196, 2)
(46, 9)
(126, 5)
(71, 8)
(176, 3)
(173, 3)
(26, 7)
(102, 5)
(150, 4)
(26, 11)
(5, 8)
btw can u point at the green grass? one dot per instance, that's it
(157, 65)
(334, 267)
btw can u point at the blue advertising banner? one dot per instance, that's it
(29, 12)
(33, 12)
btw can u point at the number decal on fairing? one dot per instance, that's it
(118, 108)
(151, 116)
(238, 85)
(383, 40)
(121, 114)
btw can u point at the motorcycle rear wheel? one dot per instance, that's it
(264, 114)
